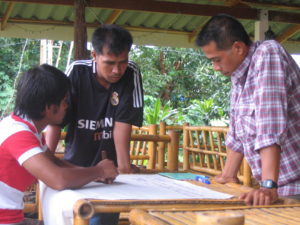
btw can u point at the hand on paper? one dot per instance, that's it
(262, 196)
(108, 171)
(130, 169)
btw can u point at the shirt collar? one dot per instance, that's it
(26, 121)
(240, 74)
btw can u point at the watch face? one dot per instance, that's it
(268, 184)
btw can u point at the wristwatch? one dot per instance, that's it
(268, 184)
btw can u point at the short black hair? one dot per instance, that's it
(224, 30)
(39, 87)
(114, 37)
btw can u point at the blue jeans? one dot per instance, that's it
(105, 219)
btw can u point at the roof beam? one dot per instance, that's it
(113, 16)
(7, 14)
(288, 33)
(241, 12)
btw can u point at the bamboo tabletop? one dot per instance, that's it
(273, 214)
(85, 208)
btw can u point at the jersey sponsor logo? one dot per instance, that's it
(114, 99)
(93, 124)
(102, 135)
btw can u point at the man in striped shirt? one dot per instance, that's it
(105, 101)
(265, 108)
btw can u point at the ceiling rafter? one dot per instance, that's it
(113, 16)
(241, 12)
(288, 33)
(7, 15)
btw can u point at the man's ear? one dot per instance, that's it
(239, 47)
(50, 109)
(93, 54)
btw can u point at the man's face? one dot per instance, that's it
(225, 61)
(110, 68)
(58, 112)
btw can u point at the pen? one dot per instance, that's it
(203, 179)
(202, 176)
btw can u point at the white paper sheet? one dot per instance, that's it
(58, 205)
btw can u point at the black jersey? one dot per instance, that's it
(94, 110)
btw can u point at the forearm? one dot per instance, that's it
(52, 137)
(122, 134)
(233, 163)
(59, 162)
(270, 161)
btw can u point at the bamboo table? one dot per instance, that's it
(84, 208)
(273, 214)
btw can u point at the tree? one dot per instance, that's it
(184, 79)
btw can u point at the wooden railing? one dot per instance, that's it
(204, 150)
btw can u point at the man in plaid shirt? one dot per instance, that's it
(265, 108)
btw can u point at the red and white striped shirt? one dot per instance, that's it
(265, 109)
(19, 141)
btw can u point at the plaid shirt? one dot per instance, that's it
(265, 109)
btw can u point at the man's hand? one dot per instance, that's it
(222, 179)
(262, 196)
(130, 169)
(107, 170)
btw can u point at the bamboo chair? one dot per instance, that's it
(205, 151)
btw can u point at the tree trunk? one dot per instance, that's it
(80, 31)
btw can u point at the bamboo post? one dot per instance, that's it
(141, 217)
(186, 165)
(152, 147)
(173, 147)
(83, 210)
(161, 147)
(247, 174)
(38, 202)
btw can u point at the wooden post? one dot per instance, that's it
(161, 147)
(152, 147)
(186, 164)
(247, 174)
(173, 147)
(80, 31)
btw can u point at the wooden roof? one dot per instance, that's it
(152, 22)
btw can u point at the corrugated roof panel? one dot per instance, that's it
(138, 19)
(26, 14)
(62, 13)
(153, 20)
(97, 15)
(181, 22)
(167, 21)
(43, 12)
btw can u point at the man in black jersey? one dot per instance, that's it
(105, 101)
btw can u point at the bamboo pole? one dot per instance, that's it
(186, 164)
(161, 147)
(152, 148)
(173, 147)
(83, 210)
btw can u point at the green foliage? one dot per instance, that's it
(186, 80)
(18, 55)
(154, 111)
(179, 84)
